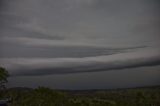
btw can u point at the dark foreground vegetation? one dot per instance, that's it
(48, 97)
(149, 96)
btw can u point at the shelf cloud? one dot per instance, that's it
(49, 37)
(46, 66)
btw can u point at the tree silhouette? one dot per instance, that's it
(3, 77)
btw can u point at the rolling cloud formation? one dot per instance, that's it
(43, 37)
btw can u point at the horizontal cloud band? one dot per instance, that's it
(47, 66)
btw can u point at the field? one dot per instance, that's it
(149, 96)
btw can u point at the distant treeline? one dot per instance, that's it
(48, 97)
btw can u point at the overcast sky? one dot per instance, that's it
(100, 41)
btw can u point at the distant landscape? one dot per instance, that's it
(44, 96)
(41, 96)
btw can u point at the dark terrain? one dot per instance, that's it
(144, 96)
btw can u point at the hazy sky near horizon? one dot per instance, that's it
(101, 41)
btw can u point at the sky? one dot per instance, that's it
(80, 44)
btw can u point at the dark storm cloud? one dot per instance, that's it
(94, 67)
(55, 52)
(2, 4)
(47, 66)
(41, 37)
(26, 51)
(17, 32)
(60, 19)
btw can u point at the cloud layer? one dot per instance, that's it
(46, 66)
(42, 37)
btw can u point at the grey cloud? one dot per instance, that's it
(18, 32)
(11, 19)
(51, 50)
(46, 66)
(95, 67)
(2, 4)
(70, 29)
(54, 52)
(62, 19)
(57, 52)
